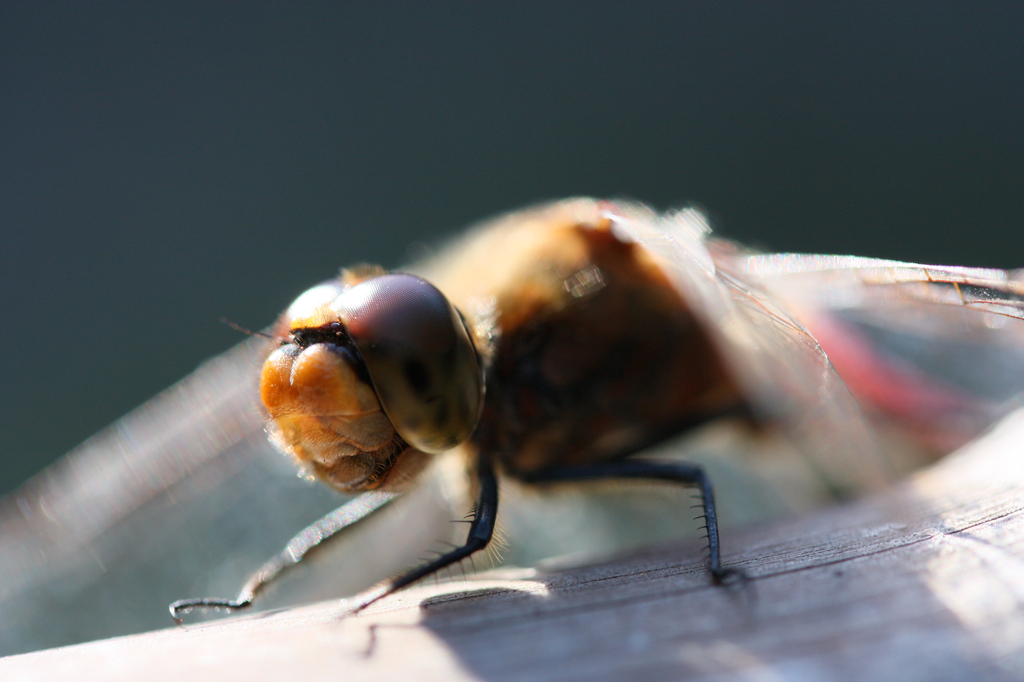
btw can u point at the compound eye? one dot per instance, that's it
(420, 358)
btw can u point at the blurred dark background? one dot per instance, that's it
(166, 164)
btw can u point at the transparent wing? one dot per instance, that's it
(939, 349)
(840, 282)
(182, 497)
(769, 313)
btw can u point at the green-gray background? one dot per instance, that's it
(166, 164)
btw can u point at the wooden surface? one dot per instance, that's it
(923, 583)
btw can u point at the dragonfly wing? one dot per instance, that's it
(848, 281)
(118, 471)
(939, 349)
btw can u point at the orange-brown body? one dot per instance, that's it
(587, 353)
(595, 356)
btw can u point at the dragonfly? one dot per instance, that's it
(564, 342)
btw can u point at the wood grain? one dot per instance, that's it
(925, 582)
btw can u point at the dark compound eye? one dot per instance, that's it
(420, 358)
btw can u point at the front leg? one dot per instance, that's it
(297, 548)
(480, 531)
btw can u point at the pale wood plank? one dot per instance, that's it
(925, 582)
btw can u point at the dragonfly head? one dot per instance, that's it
(366, 371)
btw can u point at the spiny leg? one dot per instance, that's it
(297, 548)
(680, 472)
(481, 529)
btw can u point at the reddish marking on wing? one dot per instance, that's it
(896, 389)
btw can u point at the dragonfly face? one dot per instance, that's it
(374, 373)
(563, 336)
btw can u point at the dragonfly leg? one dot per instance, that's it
(679, 472)
(297, 548)
(481, 529)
